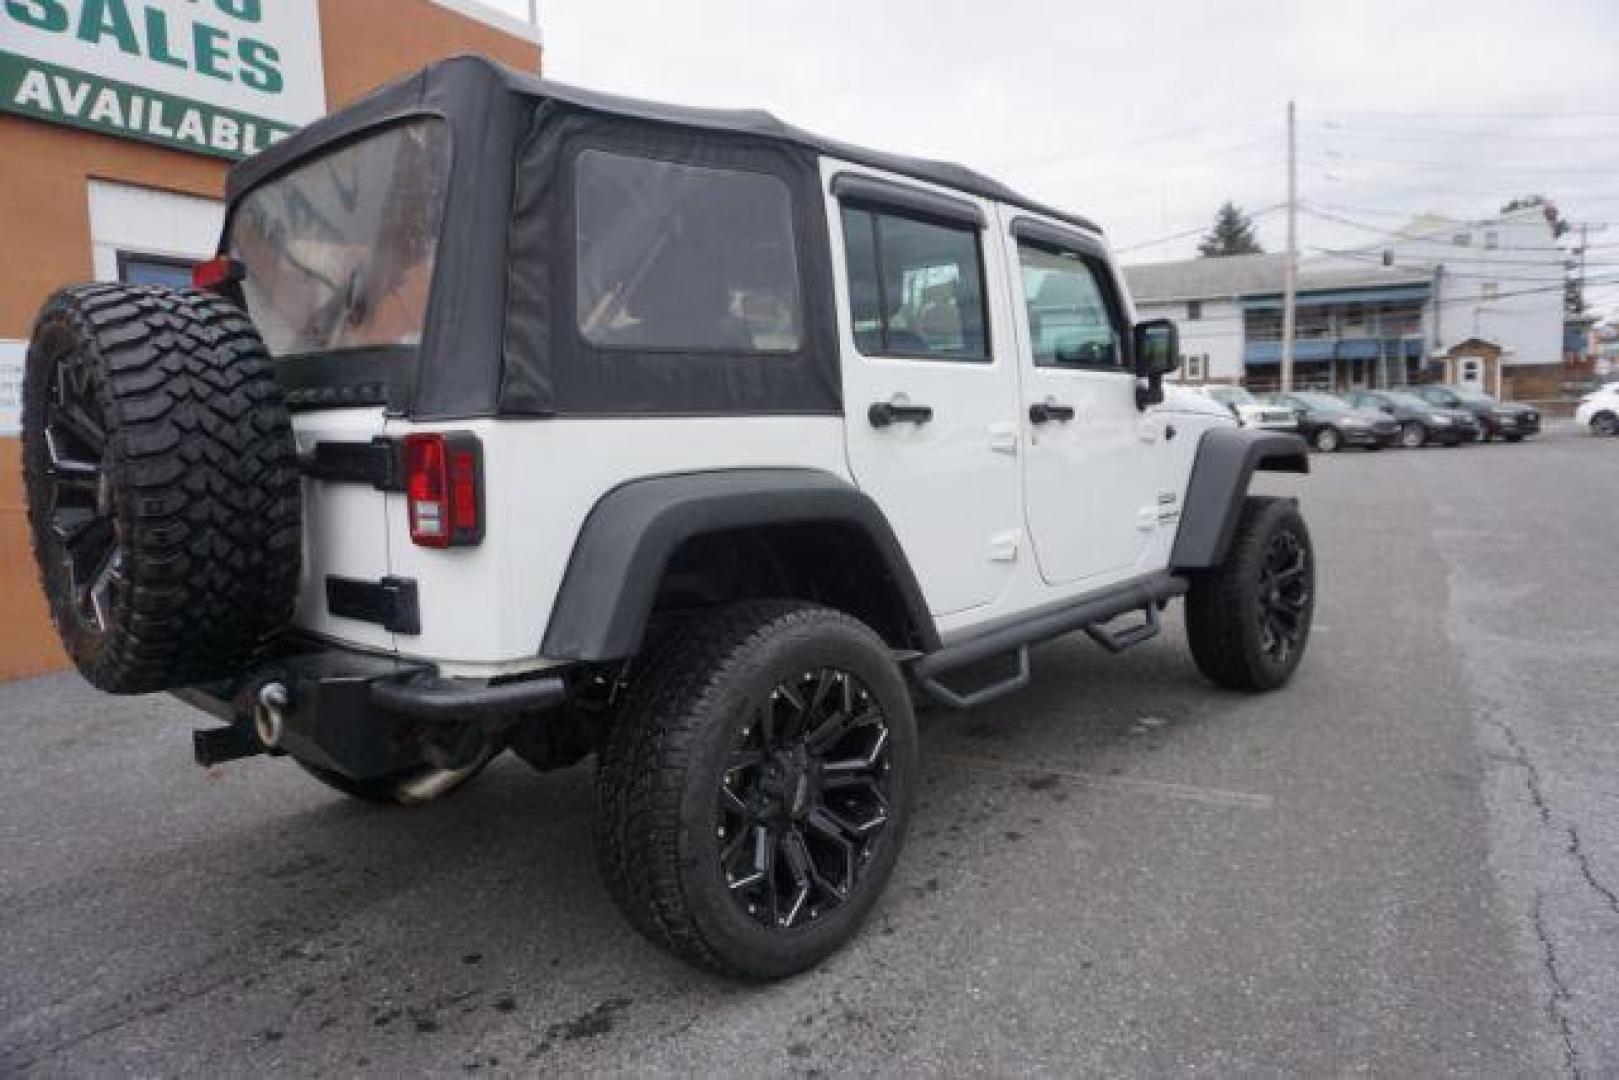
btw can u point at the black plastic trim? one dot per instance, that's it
(1048, 235)
(350, 711)
(348, 378)
(625, 543)
(377, 463)
(1047, 623)
(391, 603)
(871, 192)
(1227, 458)
(437, 700)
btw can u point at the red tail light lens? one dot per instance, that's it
(444, 488)
(217, 273)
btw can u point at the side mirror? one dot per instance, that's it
(1158, 348)
(1157, 352)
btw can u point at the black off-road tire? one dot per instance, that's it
(674, 744)
(1232, 611)
(163, 487)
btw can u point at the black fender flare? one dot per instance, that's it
(1227, 458)
(625, 543)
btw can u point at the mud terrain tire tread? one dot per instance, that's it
(203, 472)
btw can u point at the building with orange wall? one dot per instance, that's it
(82, 200)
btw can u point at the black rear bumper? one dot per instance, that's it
(362, 715)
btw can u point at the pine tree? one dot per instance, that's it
(1232, 234)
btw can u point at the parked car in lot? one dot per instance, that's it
(1249, 410)
(1599, 410)
(1497, 419)
(1329, 424)
(1420, 422)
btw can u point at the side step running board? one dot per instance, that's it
(1091, 615)
(1116, 641)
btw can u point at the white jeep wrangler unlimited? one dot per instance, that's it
(512, 416)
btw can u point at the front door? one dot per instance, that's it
(1090, 488)
(930, 395)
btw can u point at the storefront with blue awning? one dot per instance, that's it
(1345, 338)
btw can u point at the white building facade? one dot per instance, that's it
(1384, 315)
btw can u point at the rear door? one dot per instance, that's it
(930, 394)
(1092, 466)
(339, 254)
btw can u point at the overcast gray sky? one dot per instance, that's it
(1144, 116)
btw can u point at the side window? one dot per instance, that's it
(916, 288)
(1070, 324)
(684, 257)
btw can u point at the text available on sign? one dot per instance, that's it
(222, 77)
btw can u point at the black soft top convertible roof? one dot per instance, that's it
(755, 122)
(500, 337)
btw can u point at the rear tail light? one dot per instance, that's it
(217, 274)
(444, 488)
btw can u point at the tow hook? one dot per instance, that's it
(269, 721)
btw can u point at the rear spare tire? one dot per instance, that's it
(162, 481)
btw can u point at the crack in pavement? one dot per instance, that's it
(1560, 996)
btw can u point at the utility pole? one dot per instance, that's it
(1586, 229)
(1290, 262)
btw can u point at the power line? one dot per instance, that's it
(1198, 231)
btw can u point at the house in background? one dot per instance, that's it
(1385, 315)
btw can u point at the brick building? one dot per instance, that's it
(118, 121)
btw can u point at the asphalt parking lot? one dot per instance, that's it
(1405, 864)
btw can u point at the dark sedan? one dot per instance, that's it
(1420, 422)
(1504, 419)
(1328, 424)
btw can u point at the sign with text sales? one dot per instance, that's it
(220, 77)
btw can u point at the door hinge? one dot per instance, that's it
(379, 463)
(390, 603)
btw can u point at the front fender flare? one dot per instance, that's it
(1227, 458)
(626, 542)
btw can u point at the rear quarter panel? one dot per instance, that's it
(484, 609)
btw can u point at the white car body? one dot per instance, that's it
(997, 516)
(1250, 413)
(1601, 403)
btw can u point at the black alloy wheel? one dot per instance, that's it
(804, 799)
(1285, 595)
(80, 503)
(755, 786)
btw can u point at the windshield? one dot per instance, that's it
(1231, 395)
(1410, 401)
(1324, 402)
(1467, 393)
(339, 251)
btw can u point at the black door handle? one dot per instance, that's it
(883, 413)
(1043, 412)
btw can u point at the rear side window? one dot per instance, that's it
(684, 257)
(916, 288)
(1070, 324)
(340, 250)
